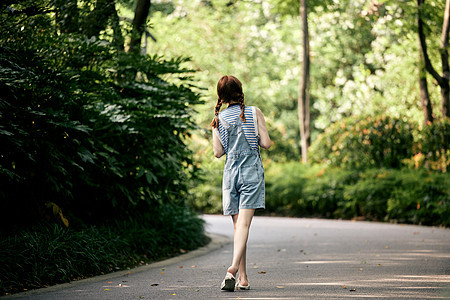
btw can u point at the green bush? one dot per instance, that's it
(100, 132)
(324, 192)
(405, 195)
(284, 185)
(48, 254)
(369, 142)
(420, 198)
(433, 146)
(302, 190)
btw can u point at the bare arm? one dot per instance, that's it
(264, 139)
(217, 145)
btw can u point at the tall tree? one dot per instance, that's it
(443, 80)
(303, 87)
(423, 86)
(140, 18)
(424, 95)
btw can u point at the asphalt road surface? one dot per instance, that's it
(290, 258)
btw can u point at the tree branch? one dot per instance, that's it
(423, 45)
(444, 41)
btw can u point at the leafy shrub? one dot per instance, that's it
(370, 142)
(284, 185)
(98, 131)
(421, 198)
(405, 195)
(324, 192)
(368, 196)
(48, 254)
(433, 146)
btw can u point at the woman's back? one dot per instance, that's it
(231, 115)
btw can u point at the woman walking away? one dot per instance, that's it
(238, 131)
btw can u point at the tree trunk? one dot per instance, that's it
(303, 87)
(140, 18)
(425, 97)
(443, 81)
(423, 86)
(445, 92)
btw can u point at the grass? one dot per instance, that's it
(47, 254)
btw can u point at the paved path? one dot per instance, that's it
(295, 259)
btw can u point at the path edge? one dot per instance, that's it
(217, 241)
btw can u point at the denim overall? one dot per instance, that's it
(243, 183)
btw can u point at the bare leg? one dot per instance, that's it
(243, 264)
(242, 223)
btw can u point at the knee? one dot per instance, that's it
(242, 224)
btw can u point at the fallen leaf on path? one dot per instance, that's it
(344, 287)
(194, 266)
(154, 284)
(262, 272)
(106, 289)
(361, 269)
(386, 247)
(363, 262)
(352, 290)
(379, 265)
(109, 281)
(162, 273)
(174, 294)
(280, 287)
(181, 267)
(197, 290)
(255, 267)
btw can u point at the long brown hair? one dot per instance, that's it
(229, 88)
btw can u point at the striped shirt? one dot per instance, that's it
(230, 115)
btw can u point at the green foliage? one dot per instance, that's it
(48, 254)
(406, 196)
(380, 142)
(287, 181)
(301, 190)
(98, 131)
(434, 145)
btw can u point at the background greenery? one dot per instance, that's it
(366, 108)
(106, 149)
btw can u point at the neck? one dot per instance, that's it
(233, 103)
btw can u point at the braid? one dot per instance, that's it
(215, 121)
(241, 100)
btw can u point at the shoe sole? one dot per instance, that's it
(243, 287)
(229, 285)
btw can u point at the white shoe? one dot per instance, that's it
(228, 283)
(242, 287)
